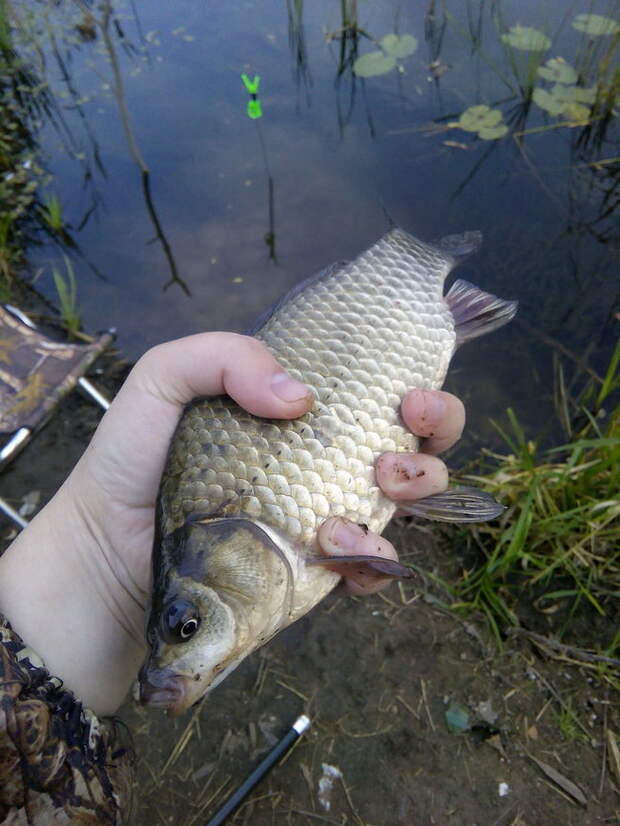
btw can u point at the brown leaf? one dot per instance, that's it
(563, 782)
(613, 755)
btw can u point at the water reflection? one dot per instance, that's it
(339, 148)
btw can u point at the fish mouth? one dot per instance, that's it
(162, 688)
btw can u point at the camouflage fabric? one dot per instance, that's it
(35, 372)
(59, 764)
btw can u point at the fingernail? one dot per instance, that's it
(344, 535)
(434, 406)
(289, 389)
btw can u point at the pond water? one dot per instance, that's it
(239, 209)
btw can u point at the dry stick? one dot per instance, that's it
(575, 653)
(604, 760)
(183, 739)
(428, 711)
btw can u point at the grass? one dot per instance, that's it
(67, 296)
(558, 544)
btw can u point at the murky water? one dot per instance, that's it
(342, 153)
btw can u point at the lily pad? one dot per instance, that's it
(479, 117)
(373, 64)
(492, 133)
(596, 24)
(547, 101)
(573, 94)
(399, 46)
(585, 95)
(526, 38)
(558, 71)
(577, 113)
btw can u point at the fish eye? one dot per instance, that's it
(180, 621)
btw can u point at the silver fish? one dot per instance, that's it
(242, 498)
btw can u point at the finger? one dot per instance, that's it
(341, 537)
(407, 476)
(135, 432)
(434, 415)
(213, 363)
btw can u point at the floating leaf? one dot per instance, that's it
(573, 94)
(479, 117)
(492, 133)
(457, 718)
(585, 95)
(399, 46)
(526, 38)
(558, 71)
(577, 113)
(596, 24)
(373, 64)
(548, 102)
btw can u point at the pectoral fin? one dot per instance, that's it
(371, 565)
(462, 504)
(476, 312)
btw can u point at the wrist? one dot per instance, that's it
(61, 596)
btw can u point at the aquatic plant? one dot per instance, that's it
(559, 540)
(51, 213)
(526, 39)
(483, 120)
(393, 48)
(596, 25)
(66, 288)
(558, 70)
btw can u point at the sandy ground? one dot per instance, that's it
(377, 676)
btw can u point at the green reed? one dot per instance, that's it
(67, 296)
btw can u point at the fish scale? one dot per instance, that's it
(242, 499)
(360, 337)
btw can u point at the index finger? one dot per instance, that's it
(435, 416)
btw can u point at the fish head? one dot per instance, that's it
(222, 588)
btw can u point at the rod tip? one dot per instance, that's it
(301, 724)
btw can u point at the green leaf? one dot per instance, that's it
(577, 113)
(492, 133)
(585, 95)
(527, 39)
(558, 71)
(573, 94)
(548, 102)
(373, 64)
(596, 24)
(479, 117)
(457, 718)
(399, 46)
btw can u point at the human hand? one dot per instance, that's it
(438, 419)
(85, 560)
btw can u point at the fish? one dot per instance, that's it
(236, 558)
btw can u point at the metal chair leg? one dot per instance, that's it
(15, 443)
(12, 514)
(92, 391)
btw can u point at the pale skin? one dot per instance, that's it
(75, 583)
